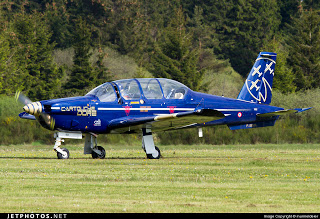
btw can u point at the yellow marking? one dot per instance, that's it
(144, 108)
(168, 116)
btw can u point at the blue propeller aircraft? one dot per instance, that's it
(155, 104)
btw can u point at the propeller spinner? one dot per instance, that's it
(35, 108)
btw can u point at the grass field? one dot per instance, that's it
(206, 178)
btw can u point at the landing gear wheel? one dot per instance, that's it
(154, 156)
(102, 154)
(63, 156)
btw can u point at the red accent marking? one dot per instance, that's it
(127, 110)
(171, 109)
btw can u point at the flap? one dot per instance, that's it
(162, 122)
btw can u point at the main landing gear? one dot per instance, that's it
(148, 146)
(98, 152)
(90, 145)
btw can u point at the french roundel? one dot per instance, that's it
(239, 114)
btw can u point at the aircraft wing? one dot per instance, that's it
(283, 112)
(163, 122)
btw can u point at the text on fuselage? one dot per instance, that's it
(81, 111)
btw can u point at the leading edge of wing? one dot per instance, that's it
(166, 121)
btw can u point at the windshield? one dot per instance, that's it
(104, 92)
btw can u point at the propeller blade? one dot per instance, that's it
(35, 108)
(22, 98)
(49, 120)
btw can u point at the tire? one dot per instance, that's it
(150, 156)
(98, 156)
(61, 156)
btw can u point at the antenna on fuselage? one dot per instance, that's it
(224, 83)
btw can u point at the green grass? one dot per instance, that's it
(205, 178)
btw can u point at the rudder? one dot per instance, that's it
(258, 86)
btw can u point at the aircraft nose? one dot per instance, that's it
(34, 108)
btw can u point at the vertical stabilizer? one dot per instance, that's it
(258, 86)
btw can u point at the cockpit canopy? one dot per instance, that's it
(135, 89)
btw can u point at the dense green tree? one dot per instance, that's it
(36, 72)
(289, 9)
(174, 57)
(81, 77)
(4, 58)
(304, 49)
(149, 31)
(310, 4)
(244, 29)
(284, 78)
(58, 18)
(10, 72)
(101, 72)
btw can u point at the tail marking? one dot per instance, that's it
(258, 86)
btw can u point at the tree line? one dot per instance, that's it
(178, 39)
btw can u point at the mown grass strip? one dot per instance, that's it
(205, 178)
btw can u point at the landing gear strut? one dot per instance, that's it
(90, 145)
(148, 146)
(63, 153)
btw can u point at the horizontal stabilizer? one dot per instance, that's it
(299, 110)
(283, 112)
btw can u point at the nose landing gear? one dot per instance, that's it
(63, 153)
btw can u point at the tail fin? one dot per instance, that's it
(258, 86)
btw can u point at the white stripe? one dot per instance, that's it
(233, 110)
(55, 108)
(148, 109)
(267, 59)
